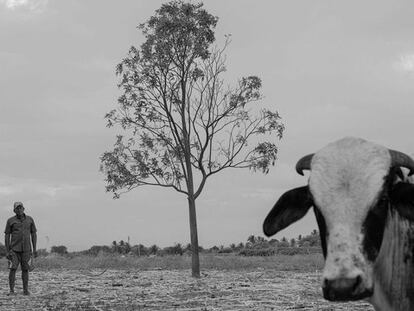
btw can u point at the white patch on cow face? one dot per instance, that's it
(346, 179)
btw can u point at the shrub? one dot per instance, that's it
(60, 250)
(98, 249)
(141, 250)
(42, 252)
(258, 252)
(172, 250)
(270, 251)
(3, 251)
(153, 249)
(225, 250)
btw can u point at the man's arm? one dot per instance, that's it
(7, 236)
(34, 242)
(7, 241)
(33, 234)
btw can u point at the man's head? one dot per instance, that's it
(18, 208)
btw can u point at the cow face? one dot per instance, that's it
(346, 182)
(348, 188)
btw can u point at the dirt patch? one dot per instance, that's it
(171, 290)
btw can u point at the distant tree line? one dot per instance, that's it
(259, 246)
(124, 248)
(254, 246)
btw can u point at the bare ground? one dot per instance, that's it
(170, 290)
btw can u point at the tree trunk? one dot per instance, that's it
(195, 259)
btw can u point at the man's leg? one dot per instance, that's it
(12, 280)
(13, 265)
(25, 278)
(25, 257)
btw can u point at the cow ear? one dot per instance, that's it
(291, 206)
(402, 199)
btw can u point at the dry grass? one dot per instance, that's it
(228, 282)
(259, 290)
(307, 263)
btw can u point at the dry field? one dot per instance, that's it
(129, 288)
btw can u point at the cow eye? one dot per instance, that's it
(374, 228)
(380, 207)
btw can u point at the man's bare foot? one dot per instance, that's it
(26, 293)
(11, 293)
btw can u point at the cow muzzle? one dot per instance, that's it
(345, 289)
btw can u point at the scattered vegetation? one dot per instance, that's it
(227, 257)
(60, 250)
(222, 262)
(254, 246)
(3, 251)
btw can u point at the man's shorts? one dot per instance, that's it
(21, 258)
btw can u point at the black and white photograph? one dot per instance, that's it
(207, 155)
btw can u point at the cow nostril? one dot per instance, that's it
(342, 288)
(325, 283)
(358, 281)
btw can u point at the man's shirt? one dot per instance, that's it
(20, 230)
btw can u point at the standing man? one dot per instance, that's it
(20, 236)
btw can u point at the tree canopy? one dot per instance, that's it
(175, 103)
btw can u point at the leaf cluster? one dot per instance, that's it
(182, 123)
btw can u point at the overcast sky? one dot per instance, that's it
(331, 69)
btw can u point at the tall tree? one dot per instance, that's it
(182, 124)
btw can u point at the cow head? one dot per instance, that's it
(350, 187)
